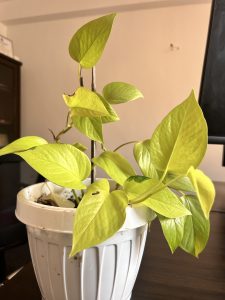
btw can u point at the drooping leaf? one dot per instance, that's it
(181, 139)
(99, 215)
(161, 200)
(91, 127)
(88, 43)
(181, 183)
(62, 164)
(173, 230)
(85, 103)
(23, 144)
(121, 92)
(196, 227)
(143, 158)
(204, 188)
(115, 165)
(112, 117)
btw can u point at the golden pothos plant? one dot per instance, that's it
(169, 184)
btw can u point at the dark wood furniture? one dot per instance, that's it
(9, 97)
(162, 276)
(12, 232)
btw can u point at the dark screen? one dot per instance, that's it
(212, 92)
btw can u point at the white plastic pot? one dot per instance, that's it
(105, 272)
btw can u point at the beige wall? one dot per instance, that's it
(3, 29)
(138, 52)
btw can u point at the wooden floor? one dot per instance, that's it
(164, 276)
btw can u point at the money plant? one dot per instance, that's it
(169, 184)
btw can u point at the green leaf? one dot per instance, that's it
(180, 184)
(91, 127)
(86, 103)
(180, 140)
(115, 165)
(121, 92)
(163, 202)
(88, 43)
(196, 228)
(23, 144)
(143, 158)
(204, 188)
(173, 230)
(99, 216)
(112, 117)
(62, 164)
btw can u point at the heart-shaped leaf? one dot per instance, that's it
(112, 117)
(99, 212)
(115, 165)
(62, 164)
(173, 230)
(91, 127)
(121, 92)
(23, 144)
(143, 158)
(180, 140)
(88, 43)
(196, 227)
(86, 103)
(204, 188)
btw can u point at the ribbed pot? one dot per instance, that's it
(105, 272)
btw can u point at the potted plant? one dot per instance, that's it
(87, 242)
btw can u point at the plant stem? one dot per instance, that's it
(57, 138)
(80, 76)
(157, 188)
(93, 144)
(127, 143)
(76, 197)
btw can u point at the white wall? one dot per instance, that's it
(138, 52)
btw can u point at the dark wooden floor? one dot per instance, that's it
(162, 276)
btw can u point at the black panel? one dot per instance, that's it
(212, 93)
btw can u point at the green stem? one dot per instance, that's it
(76, 197)
(65, 130)
(157, 188)
(127, 143)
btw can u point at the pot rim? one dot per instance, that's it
(60, 219)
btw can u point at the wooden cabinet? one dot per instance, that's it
(9, 99)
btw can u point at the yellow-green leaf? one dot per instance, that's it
(204, 188)
(196, 227)
(99, 216)
(115, 165)
(161, 199)
(85, 103)
(180, 184)
(121, 92)
(173, 230)
(112, 117)
(91, 127)
(62, 164)
(180, 140)
(88, 43)
(23, 144)
(143, 158)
